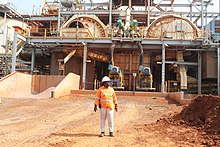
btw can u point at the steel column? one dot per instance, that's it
(32, 60)
(148, 13)
(191, 12)
(6, 41)
(110, 14)
(84, 67)
(4, 34)
(14, 52)
(163, 69)
(59, 17)
(199, 72)
(218, 70)
(202, 17)
(206, 17)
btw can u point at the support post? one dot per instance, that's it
(6, 41)
(206, 17)
(148, 13)
(199, 72)
(134, 84)
(163, 69)
(202, 17)
(110, 14)
(191, 12)
(4, 33)
(32, 60)
(218, 70)
(14, 52)
(84, 67)
(59, 17)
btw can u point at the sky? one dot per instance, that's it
(30, 6)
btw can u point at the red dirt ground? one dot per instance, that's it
(70, 121)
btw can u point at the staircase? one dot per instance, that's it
(6, 59)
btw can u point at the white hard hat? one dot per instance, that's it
(105, 79)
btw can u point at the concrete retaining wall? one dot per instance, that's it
(15, 85)
(70, 82)
(179, 97)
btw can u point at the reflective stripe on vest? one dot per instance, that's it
(106, 94)
(101, 100)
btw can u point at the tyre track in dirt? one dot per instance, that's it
(86, 133)
(72, 122)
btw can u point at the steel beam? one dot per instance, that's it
(199, 72)
(180, 63)
(93, 4)
(136, 12)
(14, 52)
(155, 41)
(42, 18)
(84, 67)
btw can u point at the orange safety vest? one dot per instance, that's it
(106, 97)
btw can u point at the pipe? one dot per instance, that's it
(199, 72)
(112, 47)
(163, 68)
(129, 4)
(84, 66)
(141, 53)
(128, 19)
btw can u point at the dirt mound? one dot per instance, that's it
(203, 113)
(198, 124)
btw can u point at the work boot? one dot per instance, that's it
(102, 134)
(111, 134)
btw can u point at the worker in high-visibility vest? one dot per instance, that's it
(107, 102)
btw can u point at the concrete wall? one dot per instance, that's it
(179, 97)
(209, 65)
(15, 85)
(42, 82)
(70, 82)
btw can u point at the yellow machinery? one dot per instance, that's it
(117, 78)
(144, 79)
